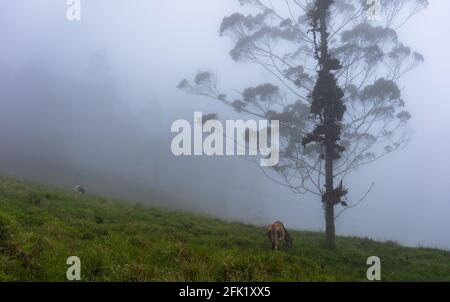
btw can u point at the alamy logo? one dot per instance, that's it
(74, 10)
(74, 270)
(374, 271)
(242, 138)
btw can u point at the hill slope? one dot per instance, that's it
(41, 227)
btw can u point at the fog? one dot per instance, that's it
(92, 102)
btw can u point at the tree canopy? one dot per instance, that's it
(369, 61)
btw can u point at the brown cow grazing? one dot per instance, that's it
(276, 232)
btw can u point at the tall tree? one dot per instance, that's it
(339, 62)
(327, 104)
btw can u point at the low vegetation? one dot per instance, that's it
(41, 227)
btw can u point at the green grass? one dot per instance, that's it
(41, 227)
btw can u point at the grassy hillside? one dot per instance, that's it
(41, 227)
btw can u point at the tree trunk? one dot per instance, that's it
(330, 231)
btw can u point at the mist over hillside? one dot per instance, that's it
(92, 102)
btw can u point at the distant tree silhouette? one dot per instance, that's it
(334, 74)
